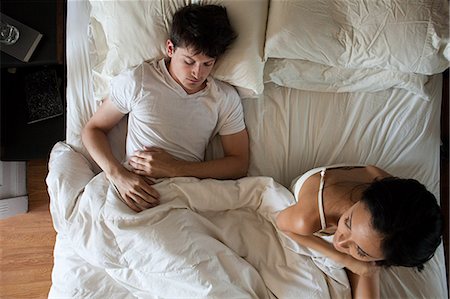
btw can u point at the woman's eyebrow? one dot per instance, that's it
(359, 248)
(350, 220)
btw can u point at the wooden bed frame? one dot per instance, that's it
(444, 180)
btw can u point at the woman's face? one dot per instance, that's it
(355, 235)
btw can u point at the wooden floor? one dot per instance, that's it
(26, 242)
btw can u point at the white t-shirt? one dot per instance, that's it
(162, 114)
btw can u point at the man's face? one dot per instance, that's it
(188, 69)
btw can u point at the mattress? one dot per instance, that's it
(291, 131)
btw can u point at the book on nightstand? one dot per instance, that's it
(42, 95)
(28, 40)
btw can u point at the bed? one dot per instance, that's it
(322, 82)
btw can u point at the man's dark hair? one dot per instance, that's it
(204, 28)
(409, 219)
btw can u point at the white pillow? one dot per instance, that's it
(403, 35)
(127, 33)
(307, 75)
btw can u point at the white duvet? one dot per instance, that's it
(216, 239)
(207, 238)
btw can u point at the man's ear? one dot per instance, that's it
(170, 48)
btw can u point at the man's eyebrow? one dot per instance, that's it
(191, 57)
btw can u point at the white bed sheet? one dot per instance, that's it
(290, 131)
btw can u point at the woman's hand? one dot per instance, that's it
(361, 268)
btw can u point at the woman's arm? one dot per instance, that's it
(364, 287)
(356, 266)
(321, 246)
(363, 276)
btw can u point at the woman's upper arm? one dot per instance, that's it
(105, 118)
(296, 220)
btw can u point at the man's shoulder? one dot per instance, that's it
(142, 71)
(226, 88)
(143, 66)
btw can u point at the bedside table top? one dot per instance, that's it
(43, 17)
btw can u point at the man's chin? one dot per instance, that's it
(192, 87)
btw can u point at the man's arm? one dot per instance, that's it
(135, 190)
(155, 162)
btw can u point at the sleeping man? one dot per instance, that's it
(174, 109)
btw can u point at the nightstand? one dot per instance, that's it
(20, 140)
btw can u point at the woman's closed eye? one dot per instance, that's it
(348, 223)
(360, 252)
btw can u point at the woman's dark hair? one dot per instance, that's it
(204, 28)
(408, 217)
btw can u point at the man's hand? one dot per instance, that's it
(157, 163)
(154, 162)
(136, 191)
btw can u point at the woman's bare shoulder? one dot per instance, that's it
(377, 172)
(299, 218)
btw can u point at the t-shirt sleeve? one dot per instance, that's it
(231, 118)
(126, 88)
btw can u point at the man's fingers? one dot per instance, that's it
(140, 200)
(147, 152)
(138, 160)
(152, 149)
(150, 181)
(146, 194)
(131, 203)
(150, 190)
(143, 203)
(139, 203)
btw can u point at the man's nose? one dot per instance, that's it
(196, 71)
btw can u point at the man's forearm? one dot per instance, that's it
(97, 144)
(224, 168)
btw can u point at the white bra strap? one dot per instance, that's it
(320, 200)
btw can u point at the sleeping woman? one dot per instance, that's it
(377, 220)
